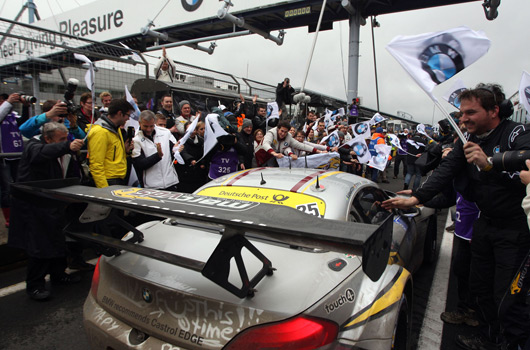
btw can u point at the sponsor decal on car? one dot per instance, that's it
(343, 299)
(176, 197)
(303, 202)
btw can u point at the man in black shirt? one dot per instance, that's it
(501, 237)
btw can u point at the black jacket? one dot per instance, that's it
(284, 94)
(247, 153)
(36, 224)
(498, 194)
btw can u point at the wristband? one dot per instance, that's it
(489, 166)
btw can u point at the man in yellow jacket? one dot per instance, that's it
(107, 151)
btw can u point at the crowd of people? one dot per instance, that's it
(167, 151)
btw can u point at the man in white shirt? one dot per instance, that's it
(153, 154)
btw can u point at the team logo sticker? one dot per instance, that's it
(343, 299)
(146, 295)
(440, 60)
(191, 5)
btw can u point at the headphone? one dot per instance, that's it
(505, 106)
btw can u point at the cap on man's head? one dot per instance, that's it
(379, 129)
(246, 123)
(183, 103)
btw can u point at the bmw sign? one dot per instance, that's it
(191, 5)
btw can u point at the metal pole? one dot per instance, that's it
(375, 64)
(31, 11)
(353, 57)
(36, 91)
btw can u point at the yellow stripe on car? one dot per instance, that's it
(392, 296)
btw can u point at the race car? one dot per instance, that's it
(266, 258)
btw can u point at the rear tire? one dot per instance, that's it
(431, 242)
(403, 328)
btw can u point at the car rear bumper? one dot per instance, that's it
(106, 332)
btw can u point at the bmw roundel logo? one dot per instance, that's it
(441, 61)
(360, 148)
(191, 5)
(442, 58)
(454, 97)
(146, 295)
(360, 128)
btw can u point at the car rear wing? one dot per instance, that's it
(237, 219)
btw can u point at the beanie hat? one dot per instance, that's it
(379, 129)
(183, 103)
(341, 134)
(246, 123)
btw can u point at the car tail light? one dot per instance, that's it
(297, 333)
(95, 281)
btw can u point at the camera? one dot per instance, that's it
(511, 160)
(27, 98)
(71, 86)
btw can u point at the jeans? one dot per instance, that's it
(413, 169)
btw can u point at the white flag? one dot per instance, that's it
(361, 130)
(433, 58)
(332, 140)
(524, 93)
(212, 131)
(134, 54)
(376, 119)
(136, 114)
(421, 129)
(329, 160)
(183, 140)
(328, 118)
(358, 145)
(380, 160)
(272, 110)
(453, 94)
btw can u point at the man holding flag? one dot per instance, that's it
(501, 237)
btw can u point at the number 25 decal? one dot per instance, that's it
(310, 208)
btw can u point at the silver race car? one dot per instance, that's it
(267, 258)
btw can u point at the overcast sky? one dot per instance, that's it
(267, 62)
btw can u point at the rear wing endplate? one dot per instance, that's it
(238, 218)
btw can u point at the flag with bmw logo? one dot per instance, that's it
(433, 58)
(453, 94)
(524, 93)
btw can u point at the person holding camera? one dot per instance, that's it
(284, 95)
(37, 225)
(52, 111)
(501, 237)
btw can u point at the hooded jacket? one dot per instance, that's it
(106, 152)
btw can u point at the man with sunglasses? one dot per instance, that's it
(107, 151)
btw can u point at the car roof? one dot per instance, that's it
(330, 189)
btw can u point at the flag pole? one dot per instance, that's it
(451, 121)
